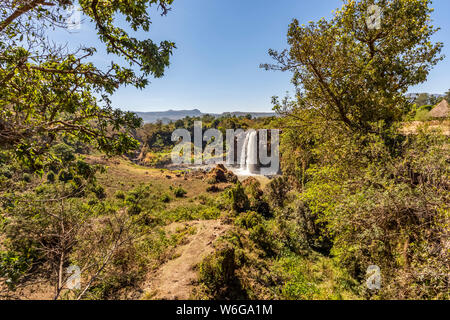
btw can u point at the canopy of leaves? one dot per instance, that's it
(356, 75)
(48, 92)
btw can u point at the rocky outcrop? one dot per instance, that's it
(220, 174)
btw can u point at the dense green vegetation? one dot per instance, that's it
(367, 194)
(156, 138)
(54, 104)
(355, 190)
(422, 105)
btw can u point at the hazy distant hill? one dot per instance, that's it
(169, 115)
(173, 115)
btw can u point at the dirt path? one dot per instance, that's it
(174, 280)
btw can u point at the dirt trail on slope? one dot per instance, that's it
(175, 279)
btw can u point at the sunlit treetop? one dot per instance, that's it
(354, 72)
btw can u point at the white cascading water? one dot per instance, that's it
(249, 153)
(244, 152)
(252, 152)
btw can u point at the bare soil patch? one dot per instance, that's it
(176, 278)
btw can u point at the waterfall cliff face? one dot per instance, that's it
(249, 153)
(243, 159)
(252, 153)
(255, 155)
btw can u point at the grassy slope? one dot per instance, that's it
(182, 236)
(300, 277)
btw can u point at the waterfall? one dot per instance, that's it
(254, 158)
(249, 153)
(252, 152)
(244, 152)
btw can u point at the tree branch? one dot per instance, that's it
(20, 11)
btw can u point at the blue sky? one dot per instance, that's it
(220, 45)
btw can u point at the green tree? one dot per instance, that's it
(378, 196)
(356, 75)
(447, 95)
(423, 99)
(48, 92)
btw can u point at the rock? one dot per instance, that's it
(221, 174)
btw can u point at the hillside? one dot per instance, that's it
(183, 242)
(340, 191)
(174, 115)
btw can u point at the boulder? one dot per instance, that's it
(221, 174)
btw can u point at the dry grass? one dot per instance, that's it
(436, 125)
(124, 175)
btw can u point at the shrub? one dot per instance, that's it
(64, 152)
(135, 198)
(99, 191)
(26, 177)
(92, 202)
(422, 115)
(238, 198)
(51, 177)
(13, 266)
(213, 189)
(165, 198)
(277, 191)
(190, 212)
(119, 195)
(390, 209)
(249, 219)
(6, 172)
(260, 235)
(296, 285)
(179, 192)
(217, 271)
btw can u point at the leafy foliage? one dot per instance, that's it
(356, 75)
(48, 94)
(367, 194)
(54, 105)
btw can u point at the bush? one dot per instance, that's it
(99, 192)
(26, 177)
(6, 172)
(238, 198)
(213, 189)
(217, 272)
(249, 219)
(388, 208)
(422, 115)
(51, 177)
(13, 266)
(179, 192)
(190, 212)
(165, 198)
(119, 195)
(135, 199)
(65, 176)
(277, 191)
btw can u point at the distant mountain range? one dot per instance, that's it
(173, 115)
